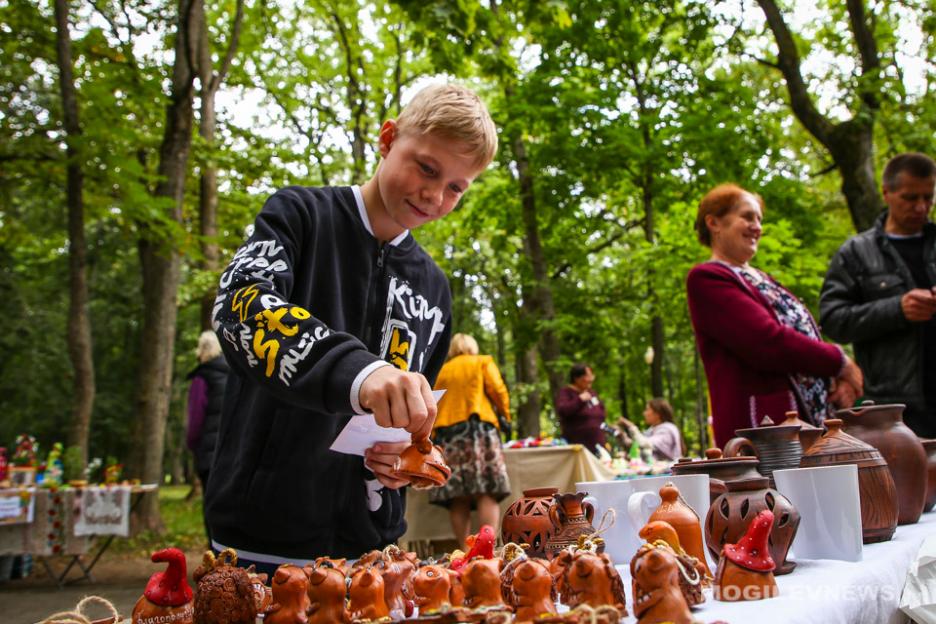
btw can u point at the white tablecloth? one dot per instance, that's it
(828, 592)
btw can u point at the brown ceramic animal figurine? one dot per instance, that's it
(691, 575)
(745, 570)
(531, 592)
(340, 564)
(366, 595)
(291, 603)
(655, 579)
(591, 579)
(684, 520)
(263, 595)
(481, 582)
(557, 568)
(432, 585)
(167, 597)
(327, 588)
(397, 574)
(422, 464)
(225, 592)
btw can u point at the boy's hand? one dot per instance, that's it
(401, 400)
(380, 458)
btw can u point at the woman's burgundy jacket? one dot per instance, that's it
(749, 356)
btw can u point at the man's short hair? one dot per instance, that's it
(455, 112)
(914, 164)
(577, 370)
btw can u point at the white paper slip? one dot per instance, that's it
(363, 432)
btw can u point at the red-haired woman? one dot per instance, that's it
(761, 348)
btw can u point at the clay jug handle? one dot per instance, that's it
(554, 515)
(739, 447)
(589, 511)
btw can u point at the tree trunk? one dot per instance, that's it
(701, 408)
(161, 266)
(528, 412)
(622, 391)
(79, 322)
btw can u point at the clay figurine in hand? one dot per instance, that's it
(592, 579)
(480, 545)
(531, 591)
(432, 585)
(291, 603)
(397, 571)
(422, 464)
(366, 595)
(327, 589)
(692, 577)
(745, 570)
(481, 582)
(684, 520)
(657, 596)
(167, 596)
(225, 593)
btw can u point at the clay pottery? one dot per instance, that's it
(882, 427)
(225, 592)
(570, 517)
(531, 592)
(397, 574)
(655, 583)
(693, 575)
(719, 469)
(808, 434)
(291, 603)
(745, 570)
(327, 588)
(730, 515)
(875, 484)
(366, 595)
(592, 580)
(527, 521)
(433, 588)
(263, 594)
(674, 511)
(776, 446)
(481, 582)
(423, 464)
(930, 447)
(167, 597)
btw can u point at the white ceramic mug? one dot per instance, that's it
(830, 510)
(633, 500)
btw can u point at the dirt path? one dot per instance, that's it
(118, 578)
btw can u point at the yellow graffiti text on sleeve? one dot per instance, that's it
(399, 350)
(270, 322)
(266, 350)
(242, 299)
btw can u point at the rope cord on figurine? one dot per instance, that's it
(593, 541)
(78, 615)
(693, 579)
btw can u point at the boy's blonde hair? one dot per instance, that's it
(455, 112)
(208, 347)
(462, 344)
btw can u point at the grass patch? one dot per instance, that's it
(184, 527)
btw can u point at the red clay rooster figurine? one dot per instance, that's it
(481, 545)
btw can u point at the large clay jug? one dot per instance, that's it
(571, 517)
(776, 446)
(882, 427)
(527, 521)
(930, 446)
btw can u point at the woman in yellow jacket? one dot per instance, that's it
(466, 428)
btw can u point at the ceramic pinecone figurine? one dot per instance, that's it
(225, 592)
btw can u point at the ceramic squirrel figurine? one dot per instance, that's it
(167, 596)
(291, 604)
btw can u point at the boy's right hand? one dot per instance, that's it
(399, 399)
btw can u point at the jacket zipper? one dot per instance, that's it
(374, 311)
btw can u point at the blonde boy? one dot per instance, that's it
(329, 309)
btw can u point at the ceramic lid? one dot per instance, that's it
(837, 442)
(767, 429)
(792, 418)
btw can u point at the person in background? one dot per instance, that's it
(580, 411)
(206, 396)
(466, 428)
(662, 435)
(761, 348)
(880, 294)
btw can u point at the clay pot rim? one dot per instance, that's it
(765, 431)
(866, 409)
(928, 444)
(740, 459)
(540, 492)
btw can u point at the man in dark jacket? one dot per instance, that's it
(879, 294)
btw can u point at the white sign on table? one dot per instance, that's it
(103, 511)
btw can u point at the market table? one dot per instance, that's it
(554, 466)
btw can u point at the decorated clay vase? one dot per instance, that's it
(366, 595)
(531, 592)
(327, 588)
(745, 569)
(422, 464)
(167, 597)
(930, 447)
(291, 604)
(527, 521)
(882, 427)
(730, 515)
(656, 593)
(591, 579)
(225, 592)
(875, 485)
(674, 511)
(720, 469)
(481, 582)
(776, 446)
(571, 517)
(693, 575)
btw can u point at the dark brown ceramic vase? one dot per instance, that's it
(808, 434)
(930, 447)
(527, 520)
(875, 484)
(571, 517)
(719, 469)
(776, 446)
(882, 427)
(729, 516)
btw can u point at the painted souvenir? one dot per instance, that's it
(481, 581)
(366, 595)
(656, 592)
(592, 579)
(397, 570)
(327, 589)
(683, 519)
(225, 593)
(167, 597)
(422, 464)
(692, 577)
(291, 603)
(432, 585)
(480, 545)
(531, 592)
(745, 570)
(527, 521)
(571, 517)
(54, 470)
